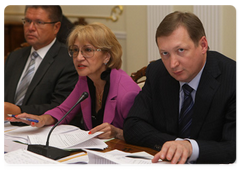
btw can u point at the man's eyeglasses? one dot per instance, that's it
(38, 23)
(87, 51)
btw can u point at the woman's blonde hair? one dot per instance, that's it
(100, 37)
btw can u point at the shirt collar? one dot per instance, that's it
(194, 82)
(43, 51)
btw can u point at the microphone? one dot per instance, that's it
(53, 152)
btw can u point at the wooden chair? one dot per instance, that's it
(140, 76)
(136, 76)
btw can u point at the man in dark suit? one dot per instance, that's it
(208, 109)
(65, 29)
(52, 76)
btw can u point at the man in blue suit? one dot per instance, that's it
(53, 76)
(156, 118)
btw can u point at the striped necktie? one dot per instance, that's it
(27, 78)
(185, 119)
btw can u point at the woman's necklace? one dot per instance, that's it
(99, 100)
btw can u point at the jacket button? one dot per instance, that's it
(158, 147)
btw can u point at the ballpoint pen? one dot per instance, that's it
(138, 157)
(31, 120)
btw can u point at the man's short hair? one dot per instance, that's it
(55, 11)
(188, 20)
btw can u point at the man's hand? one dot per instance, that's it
(175, 151)
(42, 120)
(10, 108)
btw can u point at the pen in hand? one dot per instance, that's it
(31, 120)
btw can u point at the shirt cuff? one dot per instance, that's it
(195, 150)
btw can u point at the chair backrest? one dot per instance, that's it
(25, 44)
(138, 76)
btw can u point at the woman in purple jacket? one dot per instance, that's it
(96, 56)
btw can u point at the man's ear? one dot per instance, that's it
(204, 44)
(57, 27)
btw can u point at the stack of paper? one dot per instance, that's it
(72, 140)
(22, 156)
(21, 133)
(120, 157)
(63, 136)
(78, 158)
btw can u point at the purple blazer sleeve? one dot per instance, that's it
(59, 111)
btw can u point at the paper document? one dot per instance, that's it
(10, 145)
(8, 127)
(22, 156)
(120, 157)
(79, 158)
(93, 143)
(21, 133)
(63, 136)
(71, 140)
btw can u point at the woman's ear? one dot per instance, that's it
(107, 58)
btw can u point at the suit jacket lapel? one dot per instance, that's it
(86, 104)
(109, 112)
(19, 65)
(43, 67)
(207, 87)
(170, 99)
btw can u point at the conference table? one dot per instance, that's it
(113, 144)
(117, 144)
(123, 146)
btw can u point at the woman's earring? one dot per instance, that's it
(106, 62)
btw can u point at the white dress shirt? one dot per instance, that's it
(194, 84)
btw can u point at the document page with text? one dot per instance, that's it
(64, 140)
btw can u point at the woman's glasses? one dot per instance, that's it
(86, 51)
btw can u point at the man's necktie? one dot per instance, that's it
(185, 119)
(27, 78)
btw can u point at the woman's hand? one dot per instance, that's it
(109, 131)
(42, 120)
